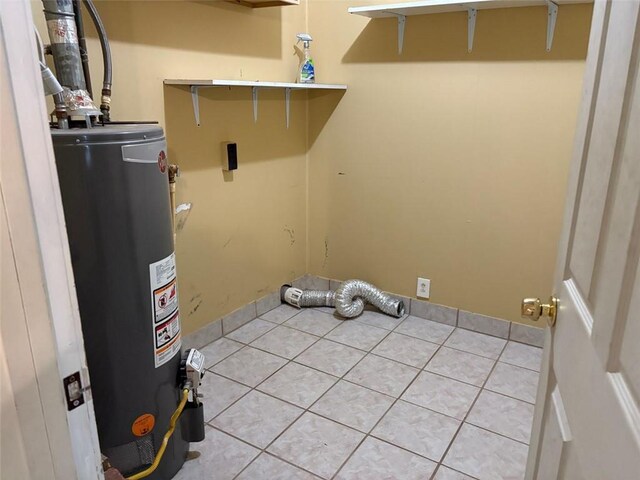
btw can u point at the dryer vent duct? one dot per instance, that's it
(349, 299)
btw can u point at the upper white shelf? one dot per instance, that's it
(195, 85)
(425, 7)
(443, 6)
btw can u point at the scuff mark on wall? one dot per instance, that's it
(227, 242)
(195, 309)
(224, 302)
(326, 252)
(292, 234)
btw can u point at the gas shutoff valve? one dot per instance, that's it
(191, 371)
(192, 368)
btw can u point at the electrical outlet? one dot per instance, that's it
(424, 288)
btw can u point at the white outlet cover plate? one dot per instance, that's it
(423, 289)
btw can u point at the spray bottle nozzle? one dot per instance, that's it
(304, 37)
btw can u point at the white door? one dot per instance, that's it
(587, 422)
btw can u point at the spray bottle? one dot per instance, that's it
(307, 69)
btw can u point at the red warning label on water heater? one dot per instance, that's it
(165, 301)
(167, 331)
(165, 314)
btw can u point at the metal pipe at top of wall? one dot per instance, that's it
(63, 35)
(105, 99)
(82, 43)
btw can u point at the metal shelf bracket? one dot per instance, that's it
(287, 104)
(552, 15)
(196, 103)
(402, 20)
(254, 96)
(471, 27)
(288, 87)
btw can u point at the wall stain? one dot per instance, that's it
(227, 242)
(326, 252)
(195, 309)
(292, 234)
(196, 298)
(341, 173)
(224, 302)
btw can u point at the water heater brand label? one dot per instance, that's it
(162, 161)
(165, 316)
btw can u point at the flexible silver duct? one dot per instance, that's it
(307, 298)
(349, 299)
(351, 291)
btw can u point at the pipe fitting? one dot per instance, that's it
(174, 172)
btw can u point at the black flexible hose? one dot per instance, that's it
(105, 102)
(84, 54)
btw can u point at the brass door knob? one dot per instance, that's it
(533, 309)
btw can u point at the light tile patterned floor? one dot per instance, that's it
(302, 394)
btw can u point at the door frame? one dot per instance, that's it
(53, 347)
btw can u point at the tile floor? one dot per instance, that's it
(301, 394)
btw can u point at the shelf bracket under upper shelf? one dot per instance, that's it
(287, 104)
(196, 103)
(254, 99)
(402, 20)
(288, 87)
(471, 27)
(402, 10)
(552, 15)
(195, 99)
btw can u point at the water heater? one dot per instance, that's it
(115, 192)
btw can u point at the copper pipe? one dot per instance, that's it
(174, 172)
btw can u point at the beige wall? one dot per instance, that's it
(440, 163)
(436, 163)
(246, 234)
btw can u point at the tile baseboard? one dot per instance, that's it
(243, 315)
(311, 282)
(222, 326)
(496, 327)
(483, 324)
(452, 316)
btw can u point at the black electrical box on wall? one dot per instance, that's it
(230, 156)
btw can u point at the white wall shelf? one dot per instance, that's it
(195, 85)
(402, 10)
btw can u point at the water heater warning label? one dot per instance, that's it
(167, 332)
(165, 318)
(165, 301)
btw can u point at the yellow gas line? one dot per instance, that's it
(165, 440)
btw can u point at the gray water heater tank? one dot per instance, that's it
(115, 193)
